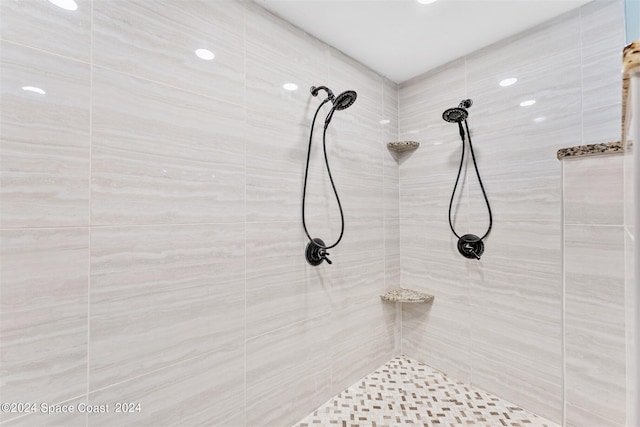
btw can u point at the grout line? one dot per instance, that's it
(154, 371)
(467, 276)
(90, 210)
(581, 77)
(48, 51)
(135, 76)
(244, 106)
(563, 300)
(92, 64)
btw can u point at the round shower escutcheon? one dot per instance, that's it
(470, 246)
(316, 252)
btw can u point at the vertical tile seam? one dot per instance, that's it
(467, 276)
(563, 349)
(90, 222)
(581, 54)
(562, 228)
(399, 311)
(244, 138)
(329, 61)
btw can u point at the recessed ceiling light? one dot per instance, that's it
(65, 4)
(385, 121)
(527, 103)
(290, 86)
(540, 119)
(426, 1)
(508, 82)
(33, 89)
(205, 54)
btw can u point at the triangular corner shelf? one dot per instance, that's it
(402, 146)
(406, 295)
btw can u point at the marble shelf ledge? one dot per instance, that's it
(402, 146)
(590, 150)
(406, 295)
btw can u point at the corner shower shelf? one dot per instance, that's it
(402, 146)
(406, 295)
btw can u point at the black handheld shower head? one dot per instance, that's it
(455, 115)
(341, 102)
(458, 114)
(345, 100)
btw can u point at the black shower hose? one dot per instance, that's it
(475, 165)
(306, 174)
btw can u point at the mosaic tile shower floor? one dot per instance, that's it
(405, 392)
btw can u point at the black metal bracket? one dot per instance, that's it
(470, 246)
(316, 252)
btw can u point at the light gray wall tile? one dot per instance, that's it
(520, 274)
(162, 155)
(277, 290)
(204, 390)
(158, 40)
(518, 358)
(595, 320)
(593, 190)
(161, 295)
(43, 315)
(288, 372)
(43, 25)
(44, 139)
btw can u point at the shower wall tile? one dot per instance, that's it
(579, 417)
(593, 190)
(513, 296)
(280, 132)
(161, 295)
(43, 25)
(602, 36)
(440, 333)
(518, 358)
(43, 315)
(391, 196)
(204, 390)
(598, 127)
(367, 325)
(629, 192)
(288, 372)
(278, 291)
(390, 112)
(530, 193)
(392, 253)
(436, 90)
(189, 175)
(346, 73)
(174, 158)
(158, 40)
(556, 40)
(595, 320)
(44, 139)
(519, 272)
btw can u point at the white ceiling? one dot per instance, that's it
(401, 39)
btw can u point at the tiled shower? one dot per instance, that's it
(151, 243)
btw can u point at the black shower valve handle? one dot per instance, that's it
(469, 249)
(323, 255)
